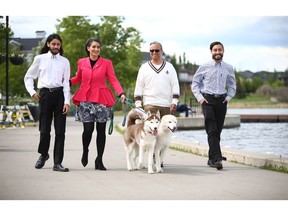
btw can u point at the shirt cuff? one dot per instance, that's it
(175, 101)
(138, 103)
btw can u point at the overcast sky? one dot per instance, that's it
(252, 42)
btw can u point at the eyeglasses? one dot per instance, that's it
(154, 50)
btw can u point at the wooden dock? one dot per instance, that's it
(197, 121)
(264, 118)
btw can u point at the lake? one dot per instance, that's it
(264, 138)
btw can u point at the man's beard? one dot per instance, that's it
(54, 51)
(218, 58)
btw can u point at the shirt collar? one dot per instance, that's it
(214, 63)
(53, 56)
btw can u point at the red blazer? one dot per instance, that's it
(93, 82)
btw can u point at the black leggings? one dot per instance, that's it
(100, 136)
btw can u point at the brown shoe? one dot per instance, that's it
(218, 165)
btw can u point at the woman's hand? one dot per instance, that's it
(123, 97)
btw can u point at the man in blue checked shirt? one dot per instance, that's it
(213, 85)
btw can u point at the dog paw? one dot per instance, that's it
(140, 167)
(160, 171)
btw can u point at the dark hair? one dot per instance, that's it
(215, 43)
(51, 37)
(89, 42)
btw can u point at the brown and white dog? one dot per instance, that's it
(141, 138)
(167, 127)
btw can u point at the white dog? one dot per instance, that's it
(140, 138)
(167, 127)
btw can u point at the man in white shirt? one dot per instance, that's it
(53, 73)
(157, 83)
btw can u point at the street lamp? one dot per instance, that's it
(7, 60)
(14, 60)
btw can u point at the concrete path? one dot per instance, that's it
(186, 176)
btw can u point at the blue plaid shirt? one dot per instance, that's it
(214, 78)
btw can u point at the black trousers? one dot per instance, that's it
(51, 106)
(214, 114)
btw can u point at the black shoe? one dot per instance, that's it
(41, 161)
(60, 168)
(218, 165)
(210, 163)
(84, 159)
(99, 164)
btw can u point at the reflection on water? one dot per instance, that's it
(267, 138)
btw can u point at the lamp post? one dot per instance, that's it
(7, 60)
(15, 60)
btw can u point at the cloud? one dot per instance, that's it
(251, 42)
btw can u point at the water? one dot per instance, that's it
(264, 138)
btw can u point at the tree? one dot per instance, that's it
(16, 72)
(240, 87)
(121, 45)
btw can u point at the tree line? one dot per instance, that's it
(120, 44)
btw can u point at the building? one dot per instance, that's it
(27, 46)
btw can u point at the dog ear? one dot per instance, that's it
(158, 114)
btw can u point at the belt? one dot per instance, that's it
(52, 89)
(215, 95)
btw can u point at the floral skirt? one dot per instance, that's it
(92, 112)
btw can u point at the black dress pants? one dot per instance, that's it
(214, 114)
(51, 106)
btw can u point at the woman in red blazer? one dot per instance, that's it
(94, 99)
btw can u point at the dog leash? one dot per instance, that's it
(128, 102)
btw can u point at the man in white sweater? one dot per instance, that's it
(157, 85)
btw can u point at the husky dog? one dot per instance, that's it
(140, 138)
(167, 127)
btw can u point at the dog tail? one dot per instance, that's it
(132, 117)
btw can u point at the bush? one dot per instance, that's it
(265, 91)
(281, 94)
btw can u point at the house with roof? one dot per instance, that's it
(27, 46)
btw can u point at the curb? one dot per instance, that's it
(232, 155)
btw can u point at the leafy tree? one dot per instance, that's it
(16, 72)
(256, 83)
(173, 61)
(121, 45)
(240, 89)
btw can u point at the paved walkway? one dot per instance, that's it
(186, 176)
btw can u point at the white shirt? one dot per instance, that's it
(157, 85)
(52, 71)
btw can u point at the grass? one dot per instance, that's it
(253, 101)
(271, 167)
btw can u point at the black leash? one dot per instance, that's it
(128, 102)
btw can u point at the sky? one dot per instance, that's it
(254, 41)
(254, 34)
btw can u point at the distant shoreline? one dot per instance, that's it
(237, 105)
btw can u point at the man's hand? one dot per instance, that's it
(173, 108)
(36, 96)
(203, 100)
(65, 108)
